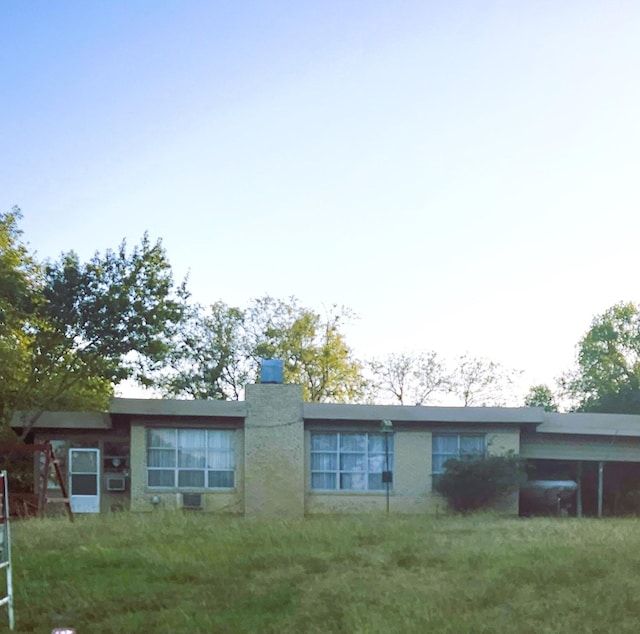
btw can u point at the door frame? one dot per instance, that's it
(84, 503)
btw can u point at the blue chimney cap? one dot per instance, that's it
(271, 371)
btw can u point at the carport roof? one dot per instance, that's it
(590, 424)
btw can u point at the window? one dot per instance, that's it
(349, 461)
(446, 446)
(191, 458)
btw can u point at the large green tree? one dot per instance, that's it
(70, 331)
(210, 359)
(20, 279)
(220, 350)
(312, 346)
(607, 378)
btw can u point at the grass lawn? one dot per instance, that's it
(193, 573)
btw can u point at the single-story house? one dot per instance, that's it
(275, 455)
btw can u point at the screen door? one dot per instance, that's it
(84, 480)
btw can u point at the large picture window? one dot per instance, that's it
(349, 461)
(446, 446)
(191, 458)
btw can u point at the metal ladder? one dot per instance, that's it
(5, 546)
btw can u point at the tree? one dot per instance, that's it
(410, 379)
(210, 359)
(541, 396)
(607, 378)
(312, 346)
(479, 382)
(71, 331)
(20, 279)
(219, 350)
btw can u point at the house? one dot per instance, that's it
(275, 455)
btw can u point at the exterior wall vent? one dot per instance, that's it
(271, 371)
(192, 501)
(116, 483)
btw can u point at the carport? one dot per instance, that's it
(600, 452)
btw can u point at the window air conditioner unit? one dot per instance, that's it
(116, 483)
(192, 501)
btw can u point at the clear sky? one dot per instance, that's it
(463, 175)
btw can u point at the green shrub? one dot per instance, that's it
(475, 482)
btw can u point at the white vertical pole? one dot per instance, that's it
(386, 466)
(579, 491)
(9, 567)
(600, 486)
(6, 548)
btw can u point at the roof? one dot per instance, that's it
(544, 422)
(423, 414)
(590, 424)
(177, 407)
(135, 407)
(66, 420)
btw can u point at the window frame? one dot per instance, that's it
(340, 474)
(435, 473)
(179, 450)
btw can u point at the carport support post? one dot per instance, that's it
(600, 486)
(579, 491)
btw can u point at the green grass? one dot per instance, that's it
(201, 573)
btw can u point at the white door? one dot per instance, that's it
(84, 480)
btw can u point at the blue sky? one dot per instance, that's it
(463, 175)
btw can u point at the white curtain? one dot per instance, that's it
(161, 438)
(324, 442)
(471, 445)
(198, 458)
(449, 446)
(191, 449)
(322, 481)
(353, 442)
(324, 462)
(221, 450)
(349, 461)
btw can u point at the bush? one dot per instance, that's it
(475, 482)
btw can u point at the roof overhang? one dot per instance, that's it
(178, 407)
(423, 414)
(62, 420)
(590, 424)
